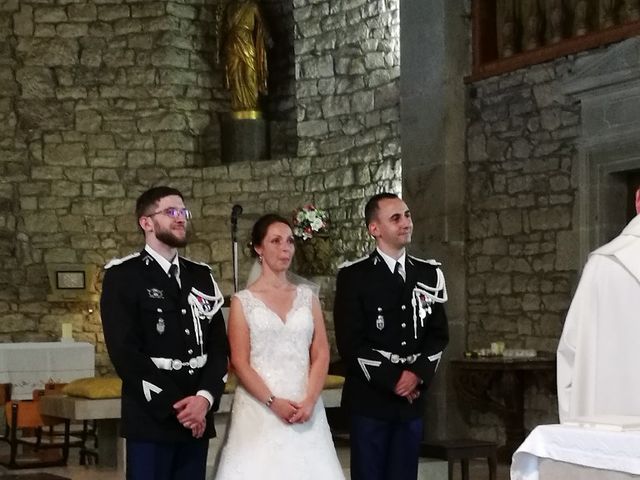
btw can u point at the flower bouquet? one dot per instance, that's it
(314, 251)
(310, 221)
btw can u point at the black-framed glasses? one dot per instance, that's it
(174, 212)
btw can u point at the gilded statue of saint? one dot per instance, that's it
(244, 52)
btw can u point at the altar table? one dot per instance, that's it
(498, 384)
(29, 366)
(561, 451)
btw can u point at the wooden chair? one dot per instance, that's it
(25, 427)
(81, 434)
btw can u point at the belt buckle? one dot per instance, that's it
(176, 364)
(193, 362)
(395, 358)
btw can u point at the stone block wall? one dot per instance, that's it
(522, 154)
(348, 69)
(100, 100)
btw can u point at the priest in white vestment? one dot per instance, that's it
(599, 351)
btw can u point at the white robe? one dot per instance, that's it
(599, 350)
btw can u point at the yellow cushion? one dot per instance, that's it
(94, 387)
(333, 381)
(330, 383)
(232, 383)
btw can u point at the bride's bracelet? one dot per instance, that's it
(270, 401)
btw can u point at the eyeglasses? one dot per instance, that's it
(174, 212)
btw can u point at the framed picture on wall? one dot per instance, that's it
(71, 280)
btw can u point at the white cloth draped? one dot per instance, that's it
(617, 451)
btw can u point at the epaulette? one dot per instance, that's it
(348, 263)
(204, 264)
(118, 261)
(429, 261)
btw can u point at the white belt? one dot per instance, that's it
(395, 358)
(175, 364)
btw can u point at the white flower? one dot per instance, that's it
(317, 224)
(308, 220)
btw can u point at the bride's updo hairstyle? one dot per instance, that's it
(261, 226)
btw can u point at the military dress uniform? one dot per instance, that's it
(385, 325)
(167, 341)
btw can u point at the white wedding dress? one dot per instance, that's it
(259, 445)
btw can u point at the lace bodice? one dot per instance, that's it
(280, 347)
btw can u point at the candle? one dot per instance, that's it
(67, 332)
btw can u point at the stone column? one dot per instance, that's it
(433, 45)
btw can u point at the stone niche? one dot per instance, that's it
(608, 88)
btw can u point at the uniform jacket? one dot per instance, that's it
(374, 312)
(598, 351)
(146, 314)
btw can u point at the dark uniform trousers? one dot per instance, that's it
(383, 327)
(166, 342)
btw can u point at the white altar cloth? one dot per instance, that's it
(593, 448)
(28, 366)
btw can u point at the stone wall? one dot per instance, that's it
(347, 90)
(522, 153)
(100, 100)
(348, 61)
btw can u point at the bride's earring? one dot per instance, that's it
(260, 259)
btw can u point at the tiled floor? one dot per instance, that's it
(478, 470)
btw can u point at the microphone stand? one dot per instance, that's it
(236, 210)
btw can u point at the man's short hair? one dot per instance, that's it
(151, 197)
(373, 205)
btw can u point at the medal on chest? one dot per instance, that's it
(380, 319)
(160, 323)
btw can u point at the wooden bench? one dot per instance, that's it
(463, 450)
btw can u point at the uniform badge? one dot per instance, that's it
(147, 259)
(380, 319)
(155, 293)
(160, 326)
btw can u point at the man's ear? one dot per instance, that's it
(638, 200)
(373, 229)
(145, 224)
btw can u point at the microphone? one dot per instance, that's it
(236, 211)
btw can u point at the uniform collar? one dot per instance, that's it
(163, 262)
(391, 262)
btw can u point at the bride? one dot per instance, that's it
(280, 354)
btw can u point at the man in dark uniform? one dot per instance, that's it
(166, 338)
(391, 330)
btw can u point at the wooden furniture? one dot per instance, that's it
(81, 432)
(512, 34)
(462, 450)
(25, 427)
(498, 384)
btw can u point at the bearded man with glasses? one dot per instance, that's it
(165, 335)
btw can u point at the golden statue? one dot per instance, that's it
(245, 58)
